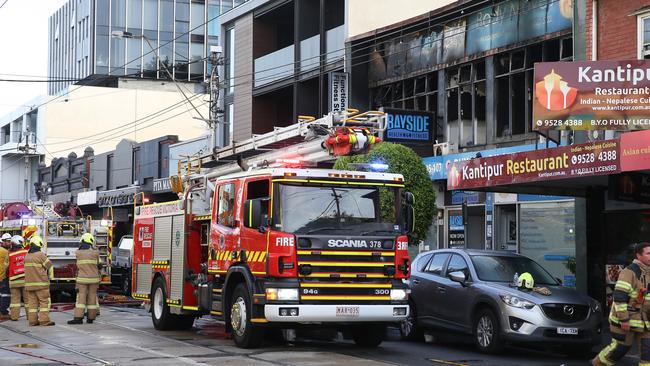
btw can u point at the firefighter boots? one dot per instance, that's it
(76, 321)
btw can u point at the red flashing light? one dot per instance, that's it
(145, 200)
(288, 162)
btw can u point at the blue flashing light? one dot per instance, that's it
(379, 167)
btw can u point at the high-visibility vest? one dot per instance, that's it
(16, 272)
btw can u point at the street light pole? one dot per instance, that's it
(123, 34)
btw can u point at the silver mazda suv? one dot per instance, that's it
(472, 292)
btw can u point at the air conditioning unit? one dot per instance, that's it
(444, 148)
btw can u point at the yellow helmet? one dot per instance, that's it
(36, 240)
(88, 239)
(525, 280)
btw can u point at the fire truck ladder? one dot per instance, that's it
(304, 138)
(45, 210)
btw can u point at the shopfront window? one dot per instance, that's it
(547, 235)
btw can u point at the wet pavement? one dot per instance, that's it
(125, 336)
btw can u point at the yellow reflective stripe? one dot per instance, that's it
(636, 323)
(622, 285)
(620, 307)
(92, 307)
(17, 282)
(87, 280)
(32, 265)
(16, 277)
(32, 310)
(27, 284)
(14, 305)
(602, 355)
(80, 306)
(87, 261)
(262, 257)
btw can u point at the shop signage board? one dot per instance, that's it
(592, 95)
(338, 91)
(591, 159)
(635, 151)
(161, 185)
(630, 186)
(406, 126)
(117, 197)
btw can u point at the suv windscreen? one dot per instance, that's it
(503, 268)
(307, 209)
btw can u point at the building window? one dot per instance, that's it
(643, 21)
(466, 103)
(513, 81)
(230, 61)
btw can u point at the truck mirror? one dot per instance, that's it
(409, 213)
(256, 213)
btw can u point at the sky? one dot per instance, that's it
(23, 49)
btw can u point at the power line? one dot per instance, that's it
(3, 4)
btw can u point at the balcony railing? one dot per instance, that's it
(274, 66)
(309, 53)
(335, 43)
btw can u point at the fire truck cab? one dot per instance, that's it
(278, 247)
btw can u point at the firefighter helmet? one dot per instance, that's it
(88, 239)
(525, 280)
(18, 240)
(6, 236)
(36, 241)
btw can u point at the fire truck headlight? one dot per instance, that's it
(398, 294)
(282, 294)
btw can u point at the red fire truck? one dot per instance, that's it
(61, 235)
(278, 247)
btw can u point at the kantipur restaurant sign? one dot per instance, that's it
(606, 95)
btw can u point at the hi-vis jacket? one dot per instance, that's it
(631, 298)
(17, 268)
(87, 266)
(37, 266)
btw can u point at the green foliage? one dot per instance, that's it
(405, 161)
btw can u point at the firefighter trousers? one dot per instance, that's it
(18, 298)
(4, 297)
(38, 302)
(86, 300)
(622, 341)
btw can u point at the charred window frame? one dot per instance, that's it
(419, 93)
(513, 84)
(466, 104)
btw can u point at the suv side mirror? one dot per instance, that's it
(256, 213)
(409, 212)
(458, 276)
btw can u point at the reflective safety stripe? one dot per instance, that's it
(17, 282)
(92, 307)
(16, 277)
(14, 305)
(87, 280)
(80, 306)
(32, 310)
(622, 285)
(87, 261)
(33, 265)
(605, 351)
(27, 284)
(620, 307)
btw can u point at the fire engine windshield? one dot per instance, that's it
(305, 209)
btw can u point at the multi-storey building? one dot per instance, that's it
(83, 47)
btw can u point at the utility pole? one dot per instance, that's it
(28, 151)
(218, 133)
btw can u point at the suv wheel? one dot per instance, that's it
(487, 333)
(408, 328)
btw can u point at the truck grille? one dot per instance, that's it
(346, 277)
(563, 313)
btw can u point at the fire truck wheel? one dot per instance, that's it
(369, 336)
(244, 333)
(162, 318)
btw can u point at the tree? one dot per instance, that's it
(405, 161)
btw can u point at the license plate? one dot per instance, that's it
(347, 311)
(572, 331)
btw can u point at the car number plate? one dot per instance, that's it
(572, 331)
(347, 311)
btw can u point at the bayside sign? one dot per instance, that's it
(408, 125)
(589, 95)
(598, 158)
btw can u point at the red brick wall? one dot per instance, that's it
(617, 29)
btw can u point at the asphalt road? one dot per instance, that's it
(125, 336)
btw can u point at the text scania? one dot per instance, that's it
(586, 74)
(347, 243)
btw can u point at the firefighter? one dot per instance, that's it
(88, 265)
(37, 283)
(629, 320)
(17, 276)
(4, 281)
